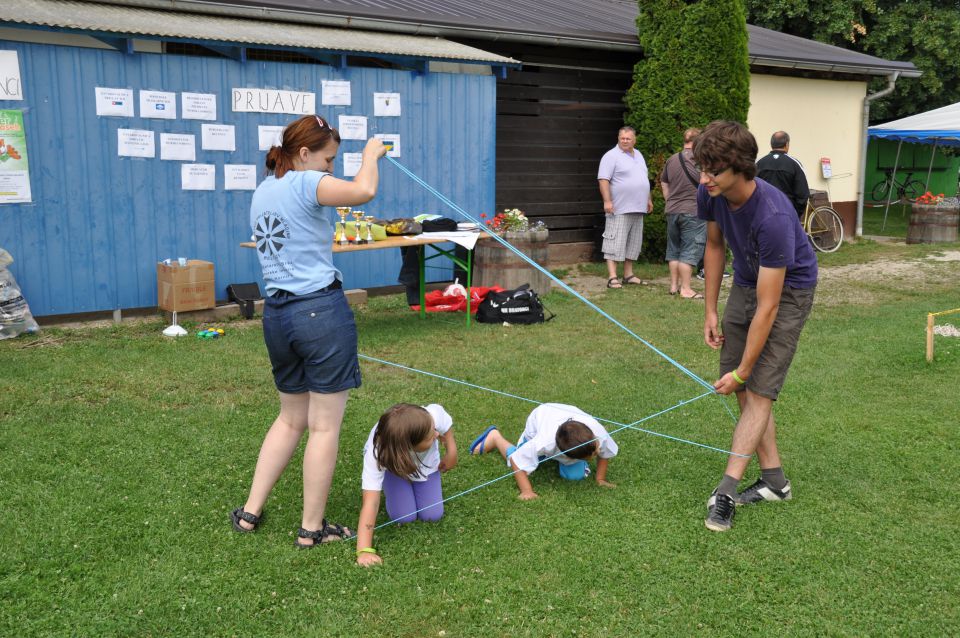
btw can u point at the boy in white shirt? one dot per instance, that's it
(553, 428)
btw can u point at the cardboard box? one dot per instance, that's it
(182, 288)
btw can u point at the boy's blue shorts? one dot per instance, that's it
(573, 472)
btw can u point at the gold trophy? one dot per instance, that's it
(369, 220)
(357, 216)
(340, 234)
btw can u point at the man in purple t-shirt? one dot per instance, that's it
(774, 278)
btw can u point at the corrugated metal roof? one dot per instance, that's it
(139, 21)
(596, 23)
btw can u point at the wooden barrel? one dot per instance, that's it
(496, 265)
(933, 224)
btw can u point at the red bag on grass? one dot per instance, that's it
(448, 300)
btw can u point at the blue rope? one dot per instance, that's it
(509, 474)
(616, 423)
(560, 283)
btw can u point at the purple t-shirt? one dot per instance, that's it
(765, 232)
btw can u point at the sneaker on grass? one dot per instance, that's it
(720, 512)
(761, 491)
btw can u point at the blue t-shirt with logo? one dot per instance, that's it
(764, 232)
(293, 233)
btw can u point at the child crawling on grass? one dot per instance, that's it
(402, 458)
(553, 428)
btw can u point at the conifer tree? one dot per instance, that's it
(695, 69)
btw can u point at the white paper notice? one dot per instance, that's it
(352, 127)
(178, 147)
(10, 86)
(114, 102)
(386, 104)
(158, 104)
(198, 177)
(272, 101)
(198, 106)
(392, 139)
(351, 164)
(335, 92)
(269, 136)
(240, 177)
(136, 143)
(217, 137)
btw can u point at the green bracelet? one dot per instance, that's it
(736, 377)
(366, 550)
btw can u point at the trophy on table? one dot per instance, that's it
(369, 220)
(357, 216)
(340, 234)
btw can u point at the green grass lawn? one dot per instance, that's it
(125, 451)
(897, 222)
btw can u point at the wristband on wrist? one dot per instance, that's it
(736, 377)
(366, 550)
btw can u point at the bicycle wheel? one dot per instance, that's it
(825, 229)
(913, 189)
(879, 192)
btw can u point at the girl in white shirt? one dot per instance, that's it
(402, 459)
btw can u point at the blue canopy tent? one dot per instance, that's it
(940, 127)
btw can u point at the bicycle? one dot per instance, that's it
(908, 190)
(823, 226)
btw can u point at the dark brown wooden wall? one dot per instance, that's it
(556, 117)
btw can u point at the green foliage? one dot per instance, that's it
(682, 81)
(924, 32)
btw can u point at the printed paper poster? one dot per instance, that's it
(351, 164)
(135, 143)
(269, 136)
(240, 177)
(335, 92)
(217, 137)
(114, 102)
(386, 104)
(198, 106)
(174, 146)
(10, 86)
(352, 127)
(198, 177)
(14, 171)
(158, 105)
(391, 139)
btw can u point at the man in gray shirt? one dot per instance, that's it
(686, 233)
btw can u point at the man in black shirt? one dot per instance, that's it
(784, 172)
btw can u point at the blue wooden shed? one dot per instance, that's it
(98, 221)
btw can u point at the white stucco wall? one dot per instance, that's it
(823, 118)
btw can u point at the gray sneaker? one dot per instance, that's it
(761, 491)
(720, 512)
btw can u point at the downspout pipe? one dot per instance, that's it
(891, 83)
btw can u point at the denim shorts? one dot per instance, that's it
(312, 342)
(770, 371)
(686, 238)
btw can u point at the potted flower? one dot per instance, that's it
(496, 265)
(933, 219)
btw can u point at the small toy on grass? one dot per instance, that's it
(210, 333)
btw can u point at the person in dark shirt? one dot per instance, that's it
(774, 279)
(784, 171)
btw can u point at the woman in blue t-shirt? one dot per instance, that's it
(308, 326)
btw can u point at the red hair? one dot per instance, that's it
(311, 131)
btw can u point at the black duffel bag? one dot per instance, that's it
(520, 305)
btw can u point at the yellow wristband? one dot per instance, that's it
(366, 550)
(736, 377)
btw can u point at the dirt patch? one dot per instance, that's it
(852, 283)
